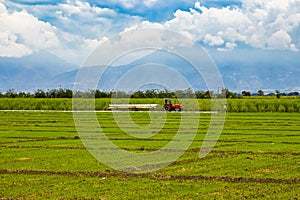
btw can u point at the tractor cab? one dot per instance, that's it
(169, 106)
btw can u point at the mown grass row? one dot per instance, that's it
(233, 105)
(267, 132)
(256, 157)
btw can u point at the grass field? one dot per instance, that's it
(256, 157)
(253, 104)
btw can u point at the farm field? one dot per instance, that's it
(256, 157)
(253, 104)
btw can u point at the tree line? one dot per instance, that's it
(153, 93)
(67, 93)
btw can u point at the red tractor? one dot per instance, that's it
(169, 106)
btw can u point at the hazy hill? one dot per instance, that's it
(241, 70)
(259, 69)
(31, 72)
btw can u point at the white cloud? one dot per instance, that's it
(144, 24)
(128, 4)
(132, 4)
(149, 3)
(25, 33)
(83, 9)
(213, 40)
(10, 48)
(92, 44)
(261, 24)
(81, 18)
(198, 5)
(229, 46)
(73, 28)
(147, 31)
(76, 28)
(293, 47)
(77, 52)
(89, 22)
(279, 40)
(223, 24)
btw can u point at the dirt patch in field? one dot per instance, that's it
(157, 176)
(42, 147)
(297, 143)
(37, 139)
(259, 152)
(25, 158)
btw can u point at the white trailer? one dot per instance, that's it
(131, 106)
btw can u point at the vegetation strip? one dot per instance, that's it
(159, 176)
(245, 104)
(155, 149)
(30, 139)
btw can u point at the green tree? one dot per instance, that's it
(200, 94)
(138, 94)
(150, 94)
(208, 94)
(278, 94)
(11, 93)
(100, 94)
(68, 93)
(40, 94)
(260, 93)
(189, 93)
(226, 93)
(246, 93)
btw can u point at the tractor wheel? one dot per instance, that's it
(177, 109)
(166, 108)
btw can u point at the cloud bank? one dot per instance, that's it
(73, 28)
(268, 24)
(21, 33)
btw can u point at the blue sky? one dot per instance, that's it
(71, 29)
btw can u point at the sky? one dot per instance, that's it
(72, 29)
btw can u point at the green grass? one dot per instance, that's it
(257, 157)
(263, 104)
(84, 187)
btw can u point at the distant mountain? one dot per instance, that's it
(259, 69)
(31, 72)
(241, 69)
(156, 61)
